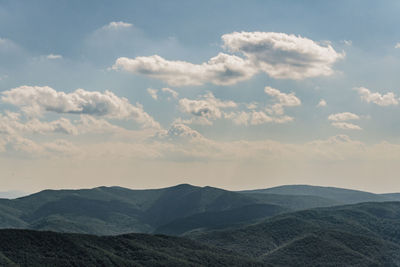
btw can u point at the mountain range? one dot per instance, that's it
(294, 225)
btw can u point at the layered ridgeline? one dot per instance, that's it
(175, 210)
(366, 234)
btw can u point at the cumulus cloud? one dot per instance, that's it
(344, 116)
(54, 56)
(280, 55)
(10, 123)
(153, 93)
(377, 98)
(35, 100)
(116, 25)
(167, 92)
(221, 70)
(397, 45)
(284, 100)
(346, 126)
(339, 120)
(322, 103)
(208, 106)
(283, 56)
(179, 132)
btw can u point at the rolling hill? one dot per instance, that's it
(338, 195)
(366, 234)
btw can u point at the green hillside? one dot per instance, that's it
(366, 234)
(37, 248)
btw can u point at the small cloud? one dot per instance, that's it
(322, 103)
(346, 126)
(347, 42)
(173, 93)
(344, 116)
(116, 25)
(153, 93)
(54, 56)
(377, 98)
(397, 45)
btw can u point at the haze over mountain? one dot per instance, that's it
(12, 194)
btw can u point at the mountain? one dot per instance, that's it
(219, 220)
(177, 210)
(366, 234)
(116, 210)
(43, 248)
(337, 195)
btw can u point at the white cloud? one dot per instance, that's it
(322, 103)
(54, 56)
(179, 132)
(397, 45)
(284, 100)
(116, 25)
(166, 92)
(208, 106)
(153, 93)
(255, 118)
(345, 116)
(10, 123)
(35, 100)
(173, 93)
(346, 126)
(280, 55)
(377, 98)
(221, 70)
(284, 56)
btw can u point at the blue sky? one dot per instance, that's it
(223, 93)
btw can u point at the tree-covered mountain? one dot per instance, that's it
(177, 210)
(116, 210)
(42, 248)
(366, 234)
(338, 195)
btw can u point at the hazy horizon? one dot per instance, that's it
(235, 95)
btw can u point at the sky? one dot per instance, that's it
(232, 94)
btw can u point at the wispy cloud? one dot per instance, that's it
(54, 56)
(116, 25)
